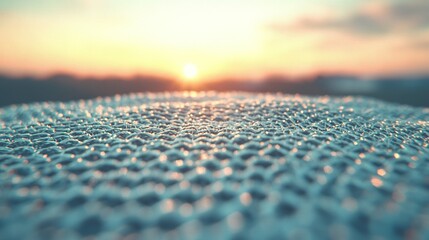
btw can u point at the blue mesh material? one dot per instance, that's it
(214, 166)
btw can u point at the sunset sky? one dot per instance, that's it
(221, 38)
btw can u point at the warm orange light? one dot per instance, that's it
(148, 38)
(190, 71)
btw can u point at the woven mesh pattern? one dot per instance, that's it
(214, 166)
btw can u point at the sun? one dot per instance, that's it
(190, 71)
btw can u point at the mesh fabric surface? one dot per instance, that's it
(214, 166)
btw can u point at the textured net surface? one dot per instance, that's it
(214, 166)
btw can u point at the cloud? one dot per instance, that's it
(413, 13)
(368, 19)
(420, 44)
(357, 23)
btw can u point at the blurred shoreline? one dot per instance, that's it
(412, 90)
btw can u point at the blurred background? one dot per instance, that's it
(78, 49)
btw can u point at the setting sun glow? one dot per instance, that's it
(190, 71)
(251, 39)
